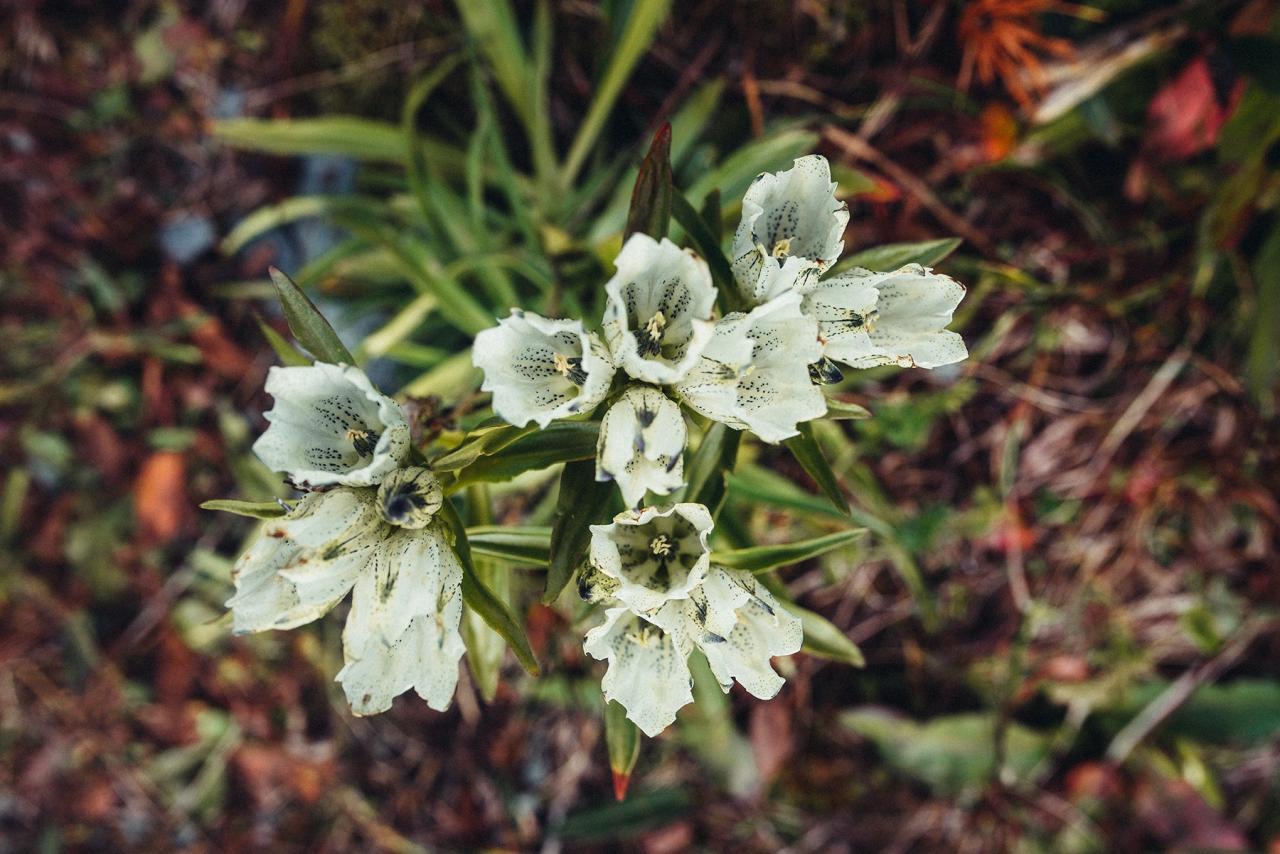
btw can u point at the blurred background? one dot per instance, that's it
(1067, 596)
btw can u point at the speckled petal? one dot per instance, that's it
(648, 673)
(402, 631)
(540, 369)
(658, 308)
(329, 426)
(300, 566)
(642, 441)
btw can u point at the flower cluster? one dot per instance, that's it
(661, 345)
(651, 570)
(368, 526)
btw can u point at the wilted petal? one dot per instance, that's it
(648, 674)
(791, 230)
(657, 317)
(641, 446)
(402, 631)
(301, 565)
(754, 375)
(897, 318)
(653, 554)
(540, 369)
(330, 426)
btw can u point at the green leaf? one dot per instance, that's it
(480, 598)
(805, 449)
(519, 546)
(893, 256)
(347, 136)
(255, 509)
(560, 442)
(953, 755)
(709, 467)
(768, 153)
(650, 211)
(486, 649)
(641, 27)
(286, 352)
(839, 410)
(481, 442)
(582, 502)
(721, 273)
(307, 324)
(622, 738)
(764, 558)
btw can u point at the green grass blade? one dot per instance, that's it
(641, 27)
(765, 558)
(805, 449)
(306, 322)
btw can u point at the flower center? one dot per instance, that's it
(649, 339)
(569, 367)
(365, 441)
(863, 320)
(782, 248)
(661, 546)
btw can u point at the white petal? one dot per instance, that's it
(766, 388)
(540, 369)
(301, 565)
(647, 674)
(402, 631)
(657, 315)
(654, 554)
(642, 441)
(788, 215)
(906, 326)
(330, 426)
(763, 629)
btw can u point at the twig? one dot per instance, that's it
(860, 149)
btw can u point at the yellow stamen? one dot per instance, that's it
(782, 248)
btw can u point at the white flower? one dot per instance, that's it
(898, 318)
(658, 315)
(641, 445)
(540, 369)
(754, 374)
(402, 631)
(330, 426)
(737, 623)
(739, 626)
(791, 230)
(301, 565)
(653, 555)
(648, 673)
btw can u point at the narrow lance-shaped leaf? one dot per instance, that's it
(896, 255)
(481, 600)
(286, 352)
(821, 637)
(307, 323)
(650, 211)
(804, 447)
(710, 465)
(485, 647)
(254, 509)
(622, 737)
(764, 558)
(582, 502)
(561, 442)
(481, 442)
(839, 410)
(518, 546)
